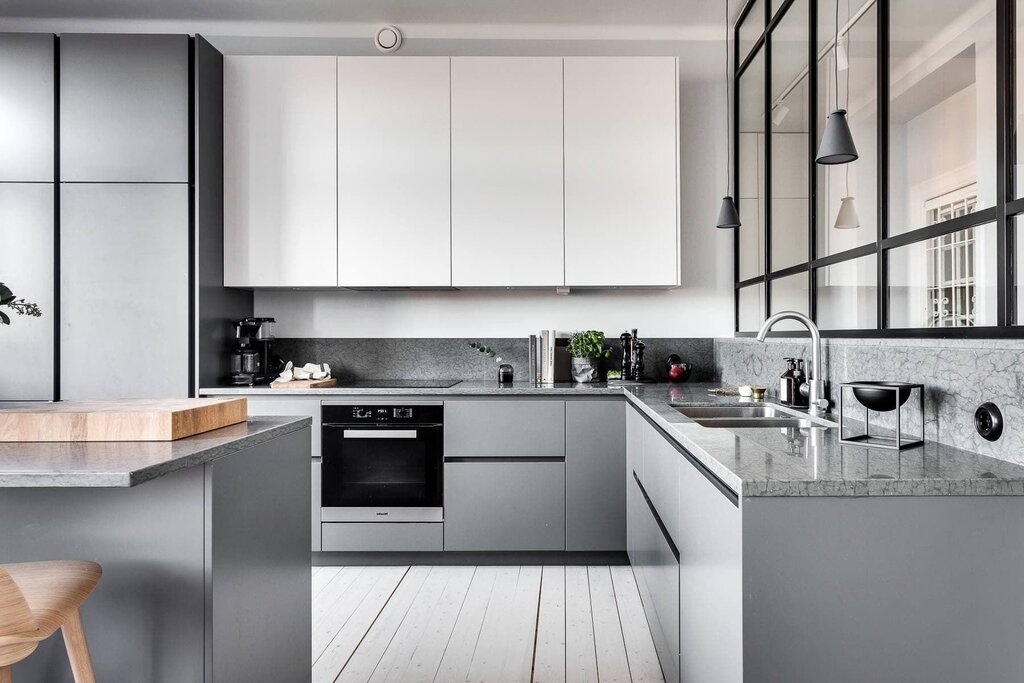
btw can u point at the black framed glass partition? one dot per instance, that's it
(917, 237)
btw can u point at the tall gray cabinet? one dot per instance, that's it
(124, 216)
(27, 212)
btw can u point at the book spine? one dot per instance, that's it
(532, 376)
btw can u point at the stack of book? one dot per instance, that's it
(549, 358)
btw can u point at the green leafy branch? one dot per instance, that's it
(487, 351)
(588, 344)
(9, 300)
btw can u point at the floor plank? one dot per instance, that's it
(340, 649)
(580, 655)
(612, 666)
(323, 576)
(549, 656)
(458, 653)
(492, 645)
(636, 634)
(521, 627)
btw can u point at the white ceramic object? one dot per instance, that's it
(746, 390)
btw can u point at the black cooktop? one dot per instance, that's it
(397, 383)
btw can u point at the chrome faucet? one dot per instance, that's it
(814, 389)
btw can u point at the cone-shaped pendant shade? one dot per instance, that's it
(728, 216)
(837, 143)
(847, 218)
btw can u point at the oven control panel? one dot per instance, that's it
(360, 414)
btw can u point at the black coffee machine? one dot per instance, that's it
(251, 359)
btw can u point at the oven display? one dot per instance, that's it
(382, 414)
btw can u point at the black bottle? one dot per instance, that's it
(788, 387)
(800, 379)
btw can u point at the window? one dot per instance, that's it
(916, 236)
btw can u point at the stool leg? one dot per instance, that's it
(78, 650)
(5, 674)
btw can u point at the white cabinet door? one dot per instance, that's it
(26, 111)
(621, 170)
(26, 266)
(507, 172)
(394, 172)
(280, 171)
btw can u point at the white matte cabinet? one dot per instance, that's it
(621, 161)
(26, 110)
(394, 172)
(280, 171)
(507, 172)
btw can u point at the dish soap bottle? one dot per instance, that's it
(788, 385)
(799, 379)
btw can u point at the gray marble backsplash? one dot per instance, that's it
(958, 375)
(451, 358)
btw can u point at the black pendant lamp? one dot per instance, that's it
(837, 143)
(728, 215)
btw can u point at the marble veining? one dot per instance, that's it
(109, 464)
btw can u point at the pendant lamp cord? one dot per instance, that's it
(728, 107)
(849, 67)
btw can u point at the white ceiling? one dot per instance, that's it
(691, 18)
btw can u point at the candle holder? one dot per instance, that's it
(882, 397)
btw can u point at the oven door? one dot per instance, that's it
(382, 473)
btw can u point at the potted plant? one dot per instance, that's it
(19, 306)
(587, 349)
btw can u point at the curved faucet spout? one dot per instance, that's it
(815, 382)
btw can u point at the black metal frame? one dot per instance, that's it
(1002, 214)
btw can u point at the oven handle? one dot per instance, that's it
(379, 434)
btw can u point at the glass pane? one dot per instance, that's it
(942, 121)
(847, 295)
(789, 104)
(948, 281)
(790, 294)
(751, 29)
(752, 169)
(857, 93)
(751, 308)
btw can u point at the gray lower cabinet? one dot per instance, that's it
(504, 428)
(26, 266)
(26, 110)
(383, 537)
(124, 108)
(506, 504)
(595, 491)
(124, 291)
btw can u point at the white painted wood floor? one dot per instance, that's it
(488, 624)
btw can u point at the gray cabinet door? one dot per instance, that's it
(635, 426)
(595, 490)
(124, 291)
(26, 109)
(661, 477)
(124, 108)
(710, 581)
(26, 266)
(504, 428)
(502, 505)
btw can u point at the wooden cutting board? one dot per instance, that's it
(124, 420)
(305, 384)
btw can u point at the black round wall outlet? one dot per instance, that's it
(988, 421)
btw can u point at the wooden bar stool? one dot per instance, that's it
(36, 599)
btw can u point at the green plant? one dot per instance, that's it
(588, 344)
(19, 306)
(488, 351)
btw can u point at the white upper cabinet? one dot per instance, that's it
(394, 172)
(621, 163)
(26, 107)
(507, 172)
(280, 173)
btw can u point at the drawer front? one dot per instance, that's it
(382, 537)
(595, 491)
(661, 478)
(303, 407)
(504, 505)
(504, 428)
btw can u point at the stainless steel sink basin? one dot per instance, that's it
(742, 417)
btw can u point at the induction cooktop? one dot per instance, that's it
(398, 383)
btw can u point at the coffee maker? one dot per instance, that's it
(251, 359)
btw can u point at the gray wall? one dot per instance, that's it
(959, 375)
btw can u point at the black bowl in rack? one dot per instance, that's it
(881, 396)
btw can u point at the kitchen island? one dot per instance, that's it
(204, 544)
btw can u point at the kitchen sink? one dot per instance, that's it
(741, 417)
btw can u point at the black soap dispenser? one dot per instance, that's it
(788, 385)
(800, 400)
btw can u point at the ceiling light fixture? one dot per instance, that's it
(837, 143)
(728, 215)
(846, 218)
(387, 39)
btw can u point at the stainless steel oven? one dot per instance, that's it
(382, 462)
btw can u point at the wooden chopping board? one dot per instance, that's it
(123, 420)
(305, 383)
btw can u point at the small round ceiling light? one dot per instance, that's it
(387, 39)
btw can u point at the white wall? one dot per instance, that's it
(703, 306)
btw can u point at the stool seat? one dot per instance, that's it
(36, 599)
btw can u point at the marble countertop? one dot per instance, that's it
(109, 464)
(759, 461)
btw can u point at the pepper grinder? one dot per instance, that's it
(627, 355)
(638, 359)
